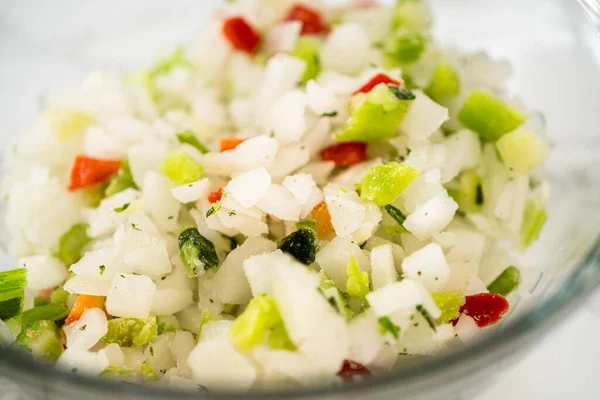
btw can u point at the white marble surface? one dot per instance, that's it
(48, 44)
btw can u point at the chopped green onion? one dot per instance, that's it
(508, 281)
(181, 168)
(427, 316)
(445, 83)
(213, 209)
(405, 48)
(148, 373)
(12, 292)
(122, 208)
(302, 244)
(122, 374)
(307, 49)
(50, 312)
(166, 324)
(534, 219)
(396, 214)
(376, 115)
(489, 116)
(357, 281)
(131, 332)
(387, 326)
(71, 244)
(383, 184)
(521, 151)
(42, 338)
(449, 304)
(188, 137)
(470, 195)
(334, 296)
(197, 253)
(123, 180)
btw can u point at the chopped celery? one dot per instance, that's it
(534, 218)
(191, 139)
(71, 243)
(123, 180)
(489, 116)
(449, 304)
(357, 281)
(279, 338)
(181, 168)
(123, 374)
(470, 195)
(60, 296)
(166, 324)
(167, 64)
(14, 324)
(12, 292)
(376, 115)
(197, 253)
(260, 318)
(334, 296)
(308, 224)
(521, 151)
(508, 281)
(411, 16)
(66, 123)
(405, 48)
(50, 312)
(307, 49)
(42, 338)
(383, 184)
(302, 244)
(131, 332)
(39, 301)
(207, 317)
(387, 326)
(148, 373)
(445, 82)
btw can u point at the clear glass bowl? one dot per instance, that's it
(555, 53)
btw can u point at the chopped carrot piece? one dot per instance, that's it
(241, 35)
(345, 154)
(321, 214)
(84, 302)
(87, 171)
(215, 196)
(376, 80)
(231, 143)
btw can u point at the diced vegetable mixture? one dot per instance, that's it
(309, 195)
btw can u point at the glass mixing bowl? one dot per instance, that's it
(555, 54)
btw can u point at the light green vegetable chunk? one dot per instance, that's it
(489, 116)
(470, 195)
(383, 184)
(60, 296)
(42, 338)
(508, 281)
(445, 83)
(148, 373)
(449, 304)
(411, 16)
(207, 317)
(279, 338)
(334, 296)
(376, 115)
(307, 49)
(50, 312)
(387, 326)
(521, 151)
(405, 48)
(534, 219)
(131, 332)
(260, 318)
(123, 180)
(12, 292)
(170, 62)
(197, 253)
(308, 224)
(181, 168)
(357, 281)
(166, 324)
(71, 244)
(188, 137)
(123, 374)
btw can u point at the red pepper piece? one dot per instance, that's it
(241, 35)
(230, 143)
(87, 171)
(485, 308)
(376, 80)
(312, 21)
(215, 196)
(345, 154)
(351, 370)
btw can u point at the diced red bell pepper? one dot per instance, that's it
(231, 143)
(351, 370)
(241, 35)
(312, 20)
(215, 196)
(87, 171)
(376, 80)
(345, 154)
(485, 308)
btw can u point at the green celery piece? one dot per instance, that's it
(12, 292)
(357, 281)
(122, 374)
(148, 373)
(39, 301)
(470, 196)
(191, 139)
(387, 326)
(71, 244)
(167, 64)
(14, 324)
(376, 115)
(60, 296)
(279, 338)
(123, 180)
(411, 16)
(521, 151)
(449, 304)
(405, 48)
(42, 338)
(166, 324)
(197, 253)
(383, 184)
(534, 219)
(131, 332)
(445, 83)
(181, 168)
(307, 49)
(334, 296)
(506, 282)
(489, 116)
(207, 317)
(50, 312)
(302, 244)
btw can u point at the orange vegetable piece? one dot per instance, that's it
(88, 171)
(321, 214)
(230, 143)
(376, 80)
(241, 35)
(84, 302)
(345, 154)
(311, 19)
(215, 196)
